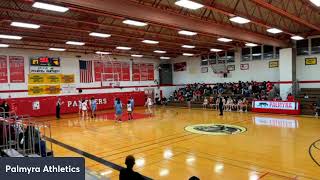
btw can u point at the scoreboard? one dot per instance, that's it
(45, 61)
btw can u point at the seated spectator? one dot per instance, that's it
(305, 96)
(128, 173)
(290, 97)
(5, 109)
(240, 105)
(164, 101)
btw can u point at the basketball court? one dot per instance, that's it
(218, 89)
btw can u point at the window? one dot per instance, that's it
(256, 53)
(267, 52)
(303, 47)
(230, 57)
(315, 46)
(204, 62)
(246, 56)
(221, 58)
(213, 58)
(277, 53)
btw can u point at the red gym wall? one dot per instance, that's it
(24, 106)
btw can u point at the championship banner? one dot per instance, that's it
(36, 90)
(36, 78)
(52, 89)
(45, 70)
(135, 72)
(3, 69)
(98, 69)
(16, 67)
(150, 72)
(125, 69)
(274, 105)
(52, 79)
(67, 78)
(143, 72)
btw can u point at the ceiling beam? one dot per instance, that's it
(284, 13)
(155, 15)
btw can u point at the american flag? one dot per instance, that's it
(85, 71)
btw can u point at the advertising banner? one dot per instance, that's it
(52, 79)
(34, 90)
(45, 69)
(67, 78)
(52, 89)
(36, 78)
(275, 105)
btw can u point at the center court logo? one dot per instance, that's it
(215, 129)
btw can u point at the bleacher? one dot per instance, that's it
(307, 105)
(22, 137)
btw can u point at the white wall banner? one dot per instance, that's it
(68, 88)
(275, 105)
(45, 70)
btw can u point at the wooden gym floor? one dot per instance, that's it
(274, 147)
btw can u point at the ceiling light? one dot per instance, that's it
(160, 52)
(123, 48)
(57, 49)
(189, 4)
(49, 7)
(4, 45)
(187, 33)
(187, 54)
(251, 44)
(101, 52)
(297, 38)
(316, 2)
(188, 46)
(150, 41)
(134, 23)
(239, 20)
(215, 50)
(25, 25)
(3, 36)
(164, 57)
(137, 55)
(224, 39)
(75, 43)
(274, 30)
(102, 35)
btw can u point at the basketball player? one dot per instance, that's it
(129, 110)
(220, 104)
(149, 105)
(118, 109)
(84, 108)
(93, 106)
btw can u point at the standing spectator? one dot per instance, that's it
(290, 97)
(128, 173)
(205, 103)
(318, 107)
(149, 104)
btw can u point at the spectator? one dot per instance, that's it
(6, 109)
(194, 178)
(128, 173)
(290, 97)
(318, 107)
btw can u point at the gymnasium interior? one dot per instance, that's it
(217, 89)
